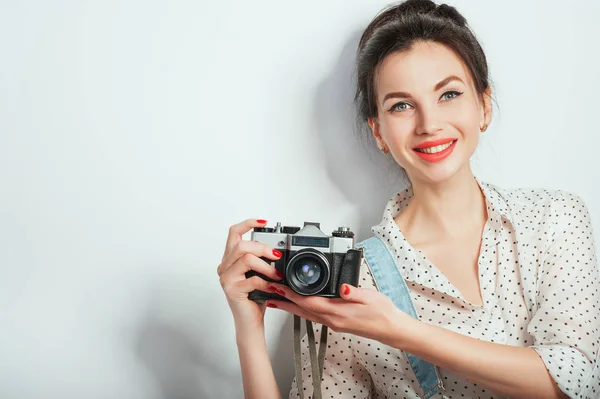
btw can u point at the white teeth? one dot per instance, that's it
(437, 148)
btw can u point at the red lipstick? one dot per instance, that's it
(438, 156)
(433, 143)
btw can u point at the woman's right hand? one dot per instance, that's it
(239, 257)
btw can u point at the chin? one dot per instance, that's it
(437, 173)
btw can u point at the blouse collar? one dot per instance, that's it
(495, 199)
(411, 260)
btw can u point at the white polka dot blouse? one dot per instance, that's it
(540, 284)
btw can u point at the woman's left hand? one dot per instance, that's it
(364, 312)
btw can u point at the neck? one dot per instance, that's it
(444, 210)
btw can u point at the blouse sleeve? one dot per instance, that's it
(343, 374)
(565, 326)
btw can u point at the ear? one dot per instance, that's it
(374, 125)
(487, 107)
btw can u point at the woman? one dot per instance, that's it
(505, 282)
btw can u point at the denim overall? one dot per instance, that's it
(390, 282)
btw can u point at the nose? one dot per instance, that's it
(428, 120)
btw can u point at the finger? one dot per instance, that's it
(238, 290)
(353, 294)
(247, 247)
(312, 303)
(236, 232)
(251, 262)
(294, 309)
(250, 284)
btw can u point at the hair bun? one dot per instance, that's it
(416, 7)
(444, 10)
(429, 7)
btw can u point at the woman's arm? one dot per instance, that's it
(240, 257)
(513, 371)
(257, 371)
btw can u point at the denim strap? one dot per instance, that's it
(391, 283)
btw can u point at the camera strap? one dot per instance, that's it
(315, 363)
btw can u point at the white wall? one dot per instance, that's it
(134, 133)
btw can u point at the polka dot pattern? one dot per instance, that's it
(540, 286)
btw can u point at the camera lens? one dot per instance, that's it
(308, 272)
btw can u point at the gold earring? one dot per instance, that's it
(385, 150)
(484, 128)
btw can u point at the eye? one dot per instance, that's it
(396, 108)
(402, 106)
(455, 94)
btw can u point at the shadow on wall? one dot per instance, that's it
(183, 366)
(363, 174)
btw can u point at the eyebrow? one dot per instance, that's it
(439, 85)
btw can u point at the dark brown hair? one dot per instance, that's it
(396, 28)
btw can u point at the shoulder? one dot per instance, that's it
(570, 214)
(543, 205)
(523, 198)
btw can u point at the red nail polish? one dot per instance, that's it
(271, 305)
(346, 289)
(279, 274)
(277, 253)
(271, 288)
(261, 221)
(282, 293)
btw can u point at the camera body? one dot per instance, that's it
(312, 262)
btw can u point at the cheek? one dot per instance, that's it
(399, 136)
(464, 117)
(398, 130)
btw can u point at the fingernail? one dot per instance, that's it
(346, 289)
(279, 274)
(277, 253)
(271, 288)
(261, 221)
(271, 305)
(281, 292)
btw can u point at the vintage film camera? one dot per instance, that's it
(312, 263)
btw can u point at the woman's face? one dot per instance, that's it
(429, 114)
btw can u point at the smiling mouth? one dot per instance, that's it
(436, 149)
